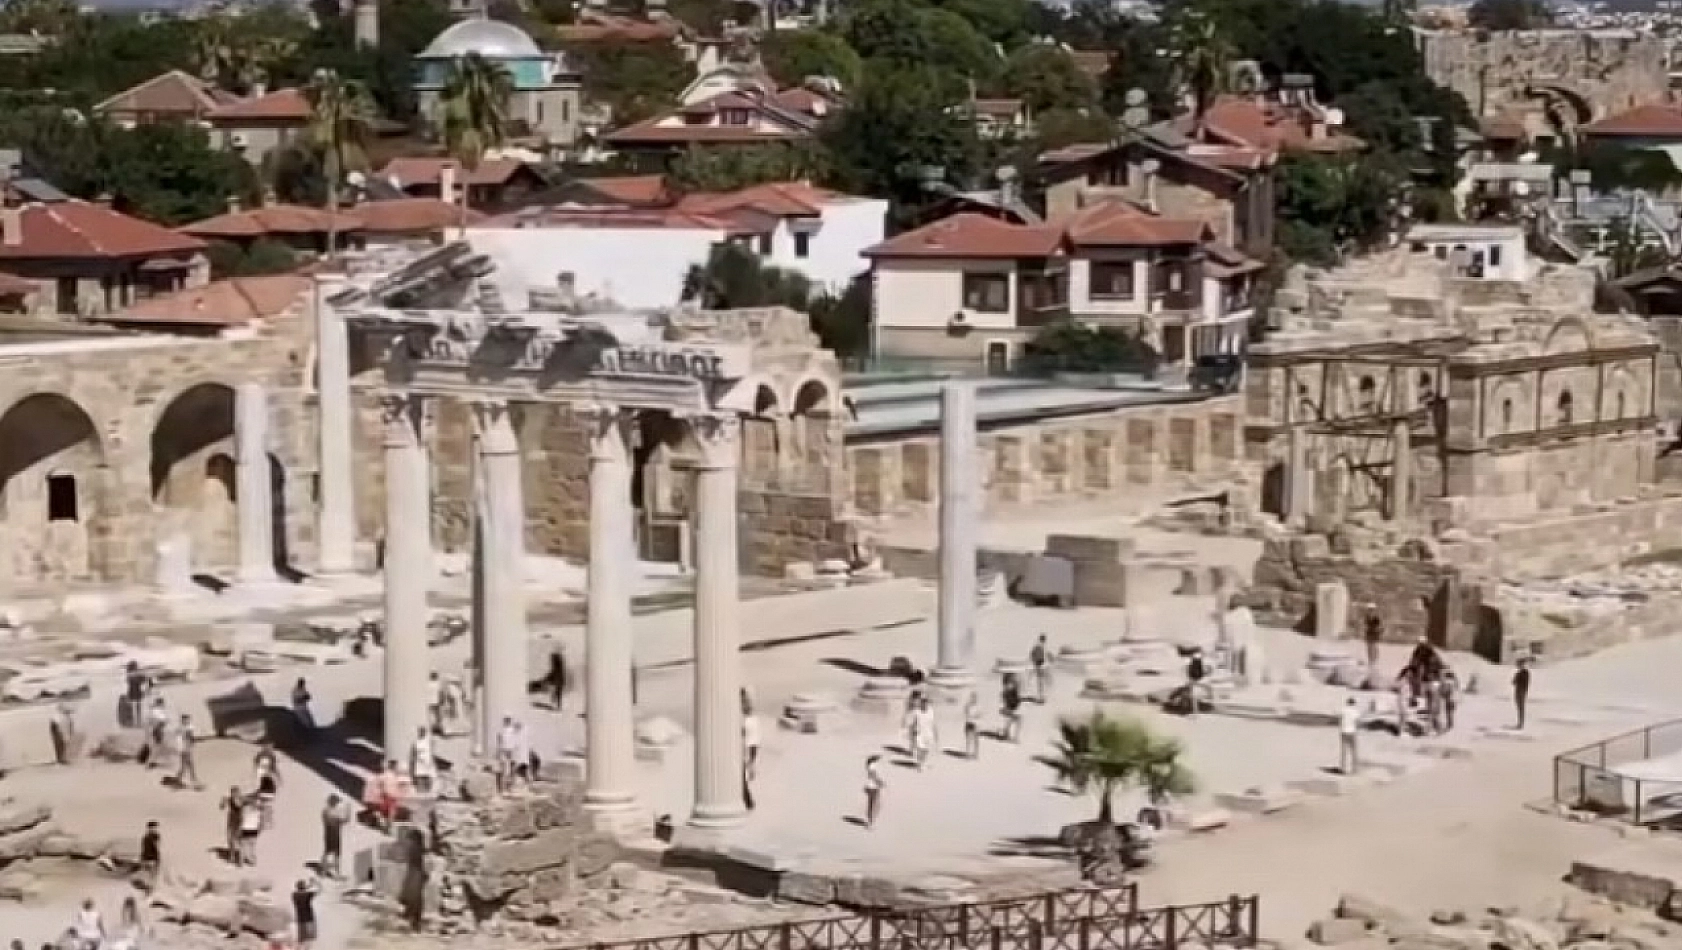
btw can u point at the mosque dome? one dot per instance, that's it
(492, 39)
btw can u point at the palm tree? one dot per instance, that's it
(341, 117)
(1202, 58)
(475, 105)
(1102, 754)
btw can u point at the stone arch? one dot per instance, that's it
(1568, 334)
(765, 402)
(192, 466)
(812, 397)
(53, 490)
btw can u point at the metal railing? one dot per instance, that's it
(1589, 778)
(1102, 919)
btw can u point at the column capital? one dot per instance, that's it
(719, 436)
(493, 424)
(402, 415)
(609, 429)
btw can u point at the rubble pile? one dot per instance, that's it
(1574, 922)
(228, 913)
(28, 834)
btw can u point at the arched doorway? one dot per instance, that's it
(52, 491)
(815, 436)
(193, 473)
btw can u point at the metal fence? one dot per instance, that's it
(1101, 919)
(1591, 778)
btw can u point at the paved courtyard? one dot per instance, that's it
(1451, 831)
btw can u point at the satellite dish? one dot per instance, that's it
(357, 179)
(1150, 166)
(1334, 117)
(1005, 174)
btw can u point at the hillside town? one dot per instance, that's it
(840, 475)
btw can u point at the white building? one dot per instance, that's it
(972, 288)
(638, 257)
(1489, 251)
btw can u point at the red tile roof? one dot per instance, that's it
(1269, 127)
(282, 105)
(971, 235)
(412, 216)
(233, 302)
(630, 189)
(270, 220)
(1120, 224)
(1657, 120)
(1503, 127)
(594, 27)
(801, 99)
(428, 170)
(630, 218)
(790, 124)
(174, 93)
(783, 199)
(79, 230)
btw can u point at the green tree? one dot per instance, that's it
(1101, 755)
(734, 277)
(475, 106)
(1135, 63)
(842, 322)
(793, 55)
(1202, 55)
(1612, 166)
(727, 169)
(263, 256)
(1056, 128)
(46, 17)
(908, 34)
(896, 132)
(634, 80)
(1330, 204)
(1510, 15)
(341, 120)
(1045, 77)
(1073, 346)
(1005, 22)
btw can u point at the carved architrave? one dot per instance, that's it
(718, 435)
(403, 419)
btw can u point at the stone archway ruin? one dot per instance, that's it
(193, 473)
(53, 486)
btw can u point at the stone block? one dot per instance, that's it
(809, 712)
(524, 856)
(804, 888)
(1334, 931)
(1080, 547)
(1331, 610)
(882, 695)
(1372, 913)
(264, 915)
(1256, 801)
(220, 911)
(16, 816)
(594, 854)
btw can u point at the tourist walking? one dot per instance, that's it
(1196, 672)
(250, 826)
(750, 744)
(435, 701)
(1521, 688)
(1011, 696)
(873, 785)
(423, 762)
(302, 711)
(187, 769)
(334, 816)
(1348, 726)
(556, 679)
(87, 926)
(1374, 636)
(383, 794)
(1040, 658)
(1448, 685)
(511, 752)
(266, 770)
(972, 726)
(920, 732)
(303, 911)
(131, 925)
(233, 808)
(151, 853)
(157, 733)
(136, 685)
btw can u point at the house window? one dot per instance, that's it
(1495, 255)
(802, 244)
(566, 111)
(765, 245)
(1112, 280)
(539, 103)
(987, 293)
(998, 357)
(61, 498)
(735, 116)
(1442, 252)
(1176, 279)
(67, 303)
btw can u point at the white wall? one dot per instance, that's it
(833, 258)
(635, 267)
(924, 294)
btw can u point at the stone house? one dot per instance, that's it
(307, 229)
(174, 96)
(496, 184)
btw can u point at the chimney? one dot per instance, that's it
(1149, 167)
(367, 26)
(235, 206)
(103, 199)
(447, 183)
(259, 89)
(11, 223)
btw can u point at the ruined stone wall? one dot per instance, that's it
(1612, 71)
(140, 434)
(1569, 543)
(1058, 459)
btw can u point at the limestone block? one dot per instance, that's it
(809, 712)
(522, 856)
(264, 915)
(1372, 913)
(1256, 801)
(1334, 931)
(805, 888)
(1208, 819)
(220, 911)
(655, 737)
(19, 885)
(1331, 610)
(594, 854)
(16, 816)
(1081, 547)
(883, 695)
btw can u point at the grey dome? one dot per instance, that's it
(492, 39)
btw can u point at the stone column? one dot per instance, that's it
(254, 487)
(1299, 479)
(502, 526)
(609, 717)
(336, 527)
(959, 517)
(718, 676)
(408, 573)
(1401, 445)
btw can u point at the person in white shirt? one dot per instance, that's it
(750, 744)
(1348, 726)
(423, 765)
(510, 751)
(87, 926)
